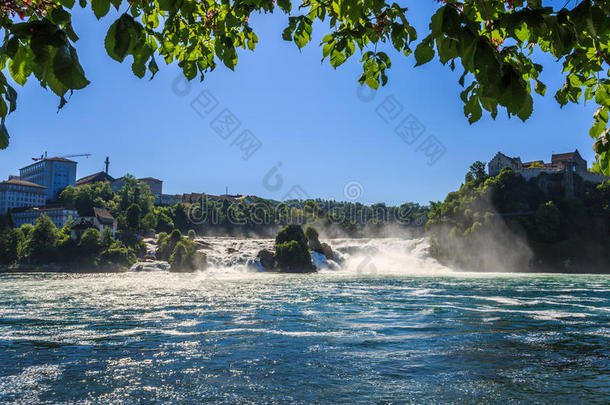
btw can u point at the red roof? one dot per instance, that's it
(560, 157)
(103, 215)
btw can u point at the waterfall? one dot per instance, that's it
(360, 256)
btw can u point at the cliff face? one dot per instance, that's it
(508, 223)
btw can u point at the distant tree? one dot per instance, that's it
(66, 230)
(548, 222)
(164, 222)
(135, 192)
(6, 221)
(149, 222)
(43, 240)
(133, 217)
(11, 241)
(107, 238)
(477, 173)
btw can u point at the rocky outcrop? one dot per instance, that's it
(267, 259)
(150, 266)
(314, 244)
(292, 253)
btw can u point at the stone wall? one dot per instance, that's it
(590, 177)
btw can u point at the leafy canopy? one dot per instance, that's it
(495, 42)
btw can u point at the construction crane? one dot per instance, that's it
(43, 157)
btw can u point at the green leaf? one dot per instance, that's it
(473, 109)
(599, 123)
(152, 67)
(4, 137)
(121, 38)
(11, 97)
(168, 5)
(67, 3)
(68, 70)
(189, 68)
(3, 108)
(540, 88)
(522, 32)
(424, 52)
(372, 82)
(513, 93)
(337, 58)
(285, 5)
(526, 110)
(602, 95)
(100, 7)
(59, 16)
(302, 35)
(436, 22)
(20, 66)
(226, 52)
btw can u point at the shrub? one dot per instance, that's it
(26, 229)
(291, 257)
(291, 233)
(11, 243)
(107, 238)
(91, 242)
(312, 237)
(167, 244)
(161, 238)
(118, 255)
(292, 251)
(311, 233)
(181, 258)
(191, 234)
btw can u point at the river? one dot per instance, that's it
(387, 326)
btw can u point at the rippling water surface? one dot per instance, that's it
(328, 337)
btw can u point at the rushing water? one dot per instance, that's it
(365, 333)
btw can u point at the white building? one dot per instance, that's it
(98, 218)
(18, 193)
(58, 214)
(53, 173)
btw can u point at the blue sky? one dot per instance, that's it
(307, 116)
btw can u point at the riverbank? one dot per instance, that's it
(57, 268)
(364, 256)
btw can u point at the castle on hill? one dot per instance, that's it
(564, 165)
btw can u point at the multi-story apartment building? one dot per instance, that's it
(53, 173)
(19, 193)
(58, 214)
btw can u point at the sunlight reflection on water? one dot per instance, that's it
(328, 337)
